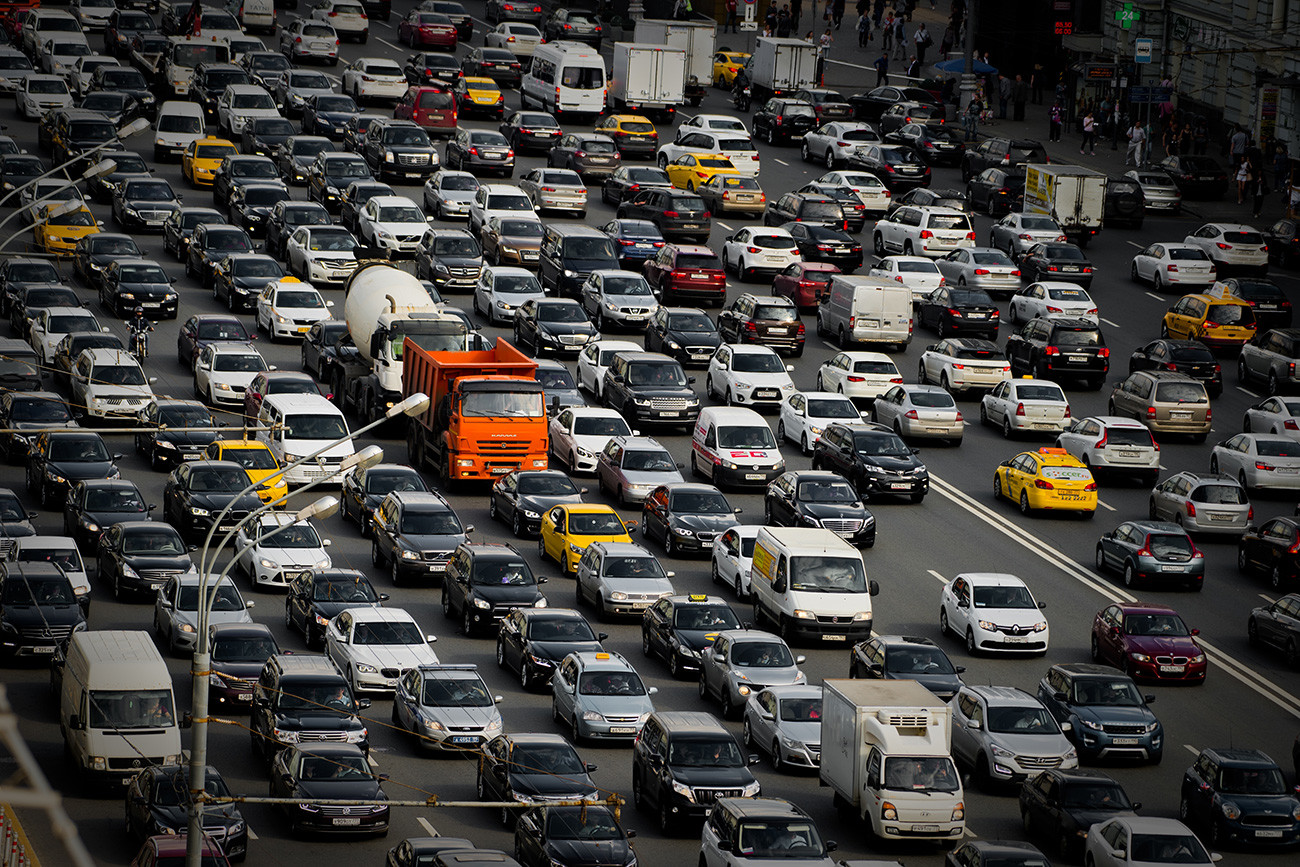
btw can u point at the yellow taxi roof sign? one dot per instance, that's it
(698, 597)
(602, 656)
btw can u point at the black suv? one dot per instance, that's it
(415, 533)
(330, 175)
(315, 596)
(675, 213)
(1051, 347)
(555, 325)
(1243, 798)
(1063, 805)
(906, 657)
(813, 498)
(688, 750)
(650, 387)
(485, 582)
(399, 149)
(568, 256)
(780, 120)
(300, 698)
(685, 333)
(999, 153)
(29, 411)
(38, 610)
(814, 208)
(874, 459)
(1108, 716)
(59, 459)
(1125, 204)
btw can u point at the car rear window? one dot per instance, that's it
(822, 211)
(1181, 392)
(950, 221)
(882, 367)
(908, 266)
(1259, 290)
(1193, 354)
(776, 312)
(1078, 337)
(1032, 154)
(698, 260)
(932, 399)
(1278, 448)
(1243, 237)
(974, 352)
(736, 144)
(1129, 436)
(1230, 314)
(1188, 254)
(971, 298)
(1225, 495)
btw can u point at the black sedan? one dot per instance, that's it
(855, 212)
(200, 330)
(897, 166)
(536, 131)
(572, 835)
(143, 204)
(317, 595)
(29, 411)
(872, 104)
(937, 145)
(554, 325)
(521, 497)
(250, 205)
(626, 180)
(92, 254)
(1197, 177)
(198, 492)
(323, 347)
(431, 67)
(18, 273)
(137, 557)
(678, 629)
(1277, 625)
(997, 191)
(518, 767)
(174, 431)
(94, 505)
(995, 853)
(687, 517)
(498, 64)
(903, 657)
(960, 312)
(637, 240)
(1190, 357)
(1271, 550)
(287, 217)
(158, 801)
(328, 772)
(238, 279)
(1057, 261)
(32, 300)
(101, 187)
(531, 642)
(179, 228)
(421, 851)
(1283, 240)
(262, 135)
(61, 458)
(825, 244)
(128, 284)
(364, 490)
(239, 653)
(811, 498)
(327, 114)
(687, 334)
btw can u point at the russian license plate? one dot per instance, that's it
(437, 567)
(1219, 517)
(244, 696)
(1172, 669)
(1126, 454)
(1124, 742)
(1173, 568)
(926, 828)
(1042, 425)
(191, 456)
(599, 159)
(622, 730)
(321, 46)
(670, 414)
(464, 739)
(977, 315)
(690, 225)
(347, 820)
(755, 477)
(1269, 833)
(49, 649)
(899, 486)
(1069, 267)
(699, 276)
(1016, 639)
(835, 637)
(1179, 414)
(1288, 471)
(491, 156)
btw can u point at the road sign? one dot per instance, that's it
(1140, 95)
(749, 25)
(1128, 16)
(1142, 50)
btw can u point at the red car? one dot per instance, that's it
(277, 382)
(1148, 642)
(168, 850)
(687, 271)
(428, 30)
(805, 283)
(433, 108)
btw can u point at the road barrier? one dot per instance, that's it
(16, 851)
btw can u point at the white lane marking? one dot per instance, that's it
(1108, 322)
(1055, 557)
(1107, 506)
(1191, 749)
(782, 162)
(1155, 296)
(374, 762)
(967, 832)
(1245, 391)
(724, 225)
(424, 823)
(1269, 599)
(829, 345)
(389, 44)
(1135, 244)
(252, 835)
(941, 579)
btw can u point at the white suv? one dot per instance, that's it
(497, 200)
(918, 231)
(1232, 247)
(110, 383)
(1110, 443)
(240, 105)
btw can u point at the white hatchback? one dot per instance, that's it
(289, 308)
(747, 375)
(993, 612)
(1182, 265)
(805, 414)
(863, 375)
(1111, 443)
(580, 433)
(1232, 246)
(284, 554)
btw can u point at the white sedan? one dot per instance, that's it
(53, 324)
(321, 254)
(748, 375)
(1182, 265)
(864, 375)
(759, 248)
(1278, 415)
(1167, 840)
(735, 146)
(595, 359)
(223, 371)
(712, 123)
(518, 37)
(962, 363)
(833, 143)
(921, 411)
(394, 224)
(1259, 461)
(280, 558)
(580, 433)
(732, 557)
(870, 189)
(919, 273)
(289, 308)
(38, 94)
(1026, 405)
(373, 646)
(993, 611)
(500, 291)
(374, 78)
(1051, 298)
(1232, 246)
(805, 414)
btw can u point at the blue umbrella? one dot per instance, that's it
(957, 65)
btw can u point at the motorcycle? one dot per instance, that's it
(740, 97)
(140, 343)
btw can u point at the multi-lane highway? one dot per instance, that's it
(1250, 698)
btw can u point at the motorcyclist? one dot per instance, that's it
(139, 329)
(740, 89)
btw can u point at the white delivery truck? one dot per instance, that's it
(860, 309)
(810, 583)
(116, 707)
(697, 38)
(648, 79)
(887, 755)
(1073, 196)
(780, 67)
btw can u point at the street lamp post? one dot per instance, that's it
(201, 663)
(103, 167)
(58, 211)
(136, 126)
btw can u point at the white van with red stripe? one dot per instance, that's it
(734, 447)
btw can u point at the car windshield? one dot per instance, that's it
(917, 659)
(257, 267)
(555, 379)
(825, 407)
(1181, 392)
(916, 773)
(264, 197)
(779, 838)
(873, 445)
(455, 691)
(596, 524)
(827, 492)
(498, 573)
(32, 272)
(691, 323)
(757, 362)
(226, 598)
(626, 285)
(238, 362)
(325, 426)
(546, 759)
(332, 241)
(458, 183)
(229, 242)
(1095, 796)
(498, 404)
(386, 482)
(582, 823)
(164, 542)
(560, 629)
(1012, 596)
(1155, 624)
(386, 632)
(343, 589)
(142, 274)
(131, 709)
(319, 697)
(347, 169)
(610, 683)
(1252, 781)
(221, 330)
(338, 768)
(561, 312)
(218, 480)
(1168, 849)
(306, 148)
(273, 126)
(299, 299)
(516, 284)
(761, 654)
(52, 297)
(39, 409)
(693, 753)
(1112, 692)
(828, 574)
(699, 503)
(298, 535)
(442, 522)
(244, 648)
(1026, 720)
(656, 373)
(114, 500)
(81, 449)
(456, 246)
(632, 567)
(173, 790)
(119, 374)
(777, 312)
(648, 461)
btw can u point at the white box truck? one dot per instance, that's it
(648, 79)
(697, 38)
(116, 707)
(780, 66)
(887, 755)
(1073, 196)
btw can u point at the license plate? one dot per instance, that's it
(1124, 742)
(670, 414)
(755, 477)
(835, 638)
(1214, 517)
(1078, 359)
(491, 156)
(899, 486)
(1016, 639)
(1038, 425)
(1130, 454)
(599, 159)
(1287, 471)
(622, 730)
(1172, 669)
(1274, 833)
(699, 276)
(190, 457)
(977, 315)
(690, 225)
(1069, 267)
(465, 739)
(1173, 568)
(347, 820)
(303, 329)
(1179, 414)
(152, 304)
(500, 471)
(244, 696)
(1205, 177)
(49, 649)
(926, 828)
(1068, 496)
(320, 46)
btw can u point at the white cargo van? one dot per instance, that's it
(116, 707)
(178, 123)
(257, 16)
(565, 78)
(859, 309)
(733, 446)
(298, 425)
(809, 582)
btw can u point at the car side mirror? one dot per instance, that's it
(753, 758)
(654, 690)
(469, 528)
(1067, 727)
(601, 636)
(1118, 854)
(778, 586)
(874, 588)
(543, 580)
(431, 639)
(589, 766)
(632, 525)
(74, 723)
(724, 845)
(974, 724)
(363, 703)
(327, 542)
(1042, 605)
(800, 660)
(789, 368)
(250, 604)
(681, 466)
(1196, 632)
(1149, 699)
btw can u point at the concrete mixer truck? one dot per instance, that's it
(383, 306)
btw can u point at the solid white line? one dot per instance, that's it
(1191, 749)
(1106, 506)
(1269, 599)
(966, 832)
(828, 344)
(251, 834)
(1108, 322)
(1155, 296)
(942, 580)
(724, 225)
(1245, 391)
(389, 44)
(782, 162)
(1135, 244)
(424, 823)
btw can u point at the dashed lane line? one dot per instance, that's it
(424, 823)
(1107, 506)
(1155, 296)
(389, 44)
(1245, 391)
(1191, 749)
(724, 225)
(781, 162)
(1135, 244)
(1108, 322)
(938, 577)
(1269, 599)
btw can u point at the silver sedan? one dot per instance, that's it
(921, 411)
(1259, 461)
(984, 268)
(785, 722)
(1159, 193)
(448, 194)
(833, 143)
(1016, 233)
(555, 190)
(1277, 415)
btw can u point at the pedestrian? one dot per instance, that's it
(946, 41)
(1055, 122)
(887, 30)
(913, 68)
(1237, 144)
(1281, 167)
(1137, 137)
(1259, 187)
(1200, 136)
(770, 19)
(796, 12)
(882, 69)
(731, 22)
(837, 13)
(864, 29)
(900, 37)
(1036, 83)
(923, 41)
(783, 22)
(1020, 96)
(684, 10)
(1089, 134)
(970, 118)
(823, 51)
(1004, 96)
(1243, 176)
(909, 6)
(1173, 135)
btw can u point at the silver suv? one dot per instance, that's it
(1007, 735)
(1202, 503)
(745, 831)
(621, 578)
(447, 707)
(600, 695)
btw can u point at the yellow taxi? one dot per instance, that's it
(725, 66)
(689, 171)
(1049, 478)
(202, 157)
(476, 93)
(58, 233)
(568, 529)
(258, 461)
(1219, 323)
(635, 135)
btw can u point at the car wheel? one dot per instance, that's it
(1130, 574)
(1275, 578)
(775, 756)
(970, 642)
(878, 244)
(1006, 428)
(997, 487)
(944, 627)
(666, 827)
(376, 556)
(466, 620)
(1024, 503)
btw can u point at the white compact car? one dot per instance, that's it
(308, 38)
(595, 359)
(38, 94)
(735, 146)
(833, 143)
(759, 248)
(1051, 298)
(962, 363)
(922, 412)
(871, 190)
(53, 324)
(918, 273)
(1232, 247)
(862, 375)
(580, 433)
(805, 414)
(321, 254)
(993, 612)
(394, 224)
(223, 371)
(712, 123)
(501, 290)
(732, 558)
(1121, 446)
(1182, 265)
(374, 78)
(1278, 415)
(1026, 405)
(289, 308)
(518, 37)
(747, 375)
(347, 17)
(373, 646)
(110, 384)
(1259, 461)
(280, 558)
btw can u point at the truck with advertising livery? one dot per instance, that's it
(1073, 196)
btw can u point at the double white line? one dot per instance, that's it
(1055, 557)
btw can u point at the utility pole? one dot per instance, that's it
(968, 74)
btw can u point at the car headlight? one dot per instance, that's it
(388, 157)
(532, 515)
(810, 520)
(128, 572)
(322, 563)
(1198, 659)
(988, 625)
(1230, 810)
(185, 627)
(410, 555)
(541, 602)
(1040, 627)
(493, 725)
(199, 513)
(641, 401)
(285, 736)
(322, 621)
(1071, 756)
(575, 549)
(801, 614)
(592, 716)
(267, 564)
(1001, 753)
(752, 790)
(742, 384)
(222, 386)
(618, 596)
(860, 616)
(365, 668)
(684, 790)
(90, 526)
(481, 603)
(1140, 657)
(683, 531)
(1095, 726)
(1153, 725)
(583, 453)
(788, 387)
(431, 724)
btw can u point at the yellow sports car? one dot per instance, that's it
(725, 66)
(567, 530)
(689, 171)
(476, 93)
(1049, 478)
(58, 233)
(258, 462)
(200, 161)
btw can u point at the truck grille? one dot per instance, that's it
(499, 448)
(842, 526)
(708, 796)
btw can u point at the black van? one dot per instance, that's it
(570, 253)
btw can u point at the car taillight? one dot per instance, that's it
(625, 242)
(980, 272)
(753, 250)
(852, 378)
(1091, 486)
(953, 311)
(1044, 484)
(473, 151)
(1020, 410)
(1025, 236)
(1151, 412)
(911, 413)
(672, 215)
(1051, 350)
(926, 233)
(1169, 365)
(802, 329)
(1104, 352)
(1015, 273)
(1268, 468)
(1223, 246)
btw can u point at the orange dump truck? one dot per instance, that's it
(487, 414)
